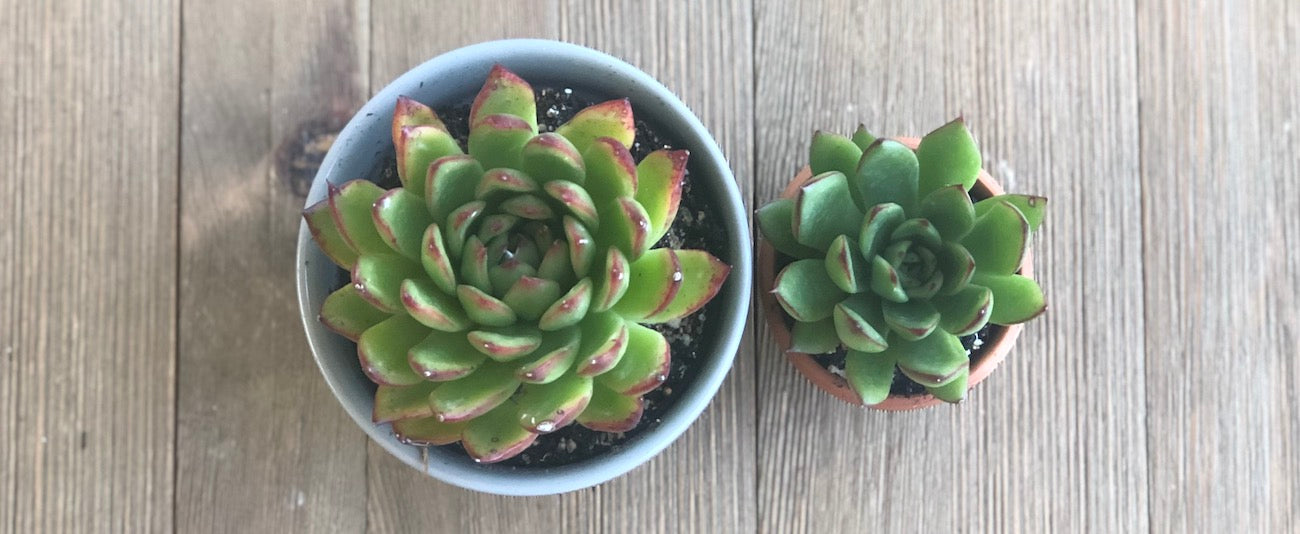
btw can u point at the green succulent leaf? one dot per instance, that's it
(556, 355)
(474, 395)
(611, 281)
(350, 208)
(483, 308)
(498, 140)
(957, 266)
(911, 320)
(417, 148)
(504, 93)
(549, 407)
(806, 292)
(950, 210)
(408, 112)
(931, 361)
(863, 139)
(653, 281)
(450, 184)
(885, 281)
(444, 356)
(529, 297)
(604, 340)
(871, 375)
(326, 234)
(612, 119)
(431, 307)
(1034, 208)
(643, 366)
(582, 246)
(569, 309)
(550, 156)
(998, 240)
(821, 214)
(528, 207)
(860, 323)
(659, 188)
(953, 391)
(346, 313)
(816, 337)
(846, 266)
(917, 231)
(887, 173)
(880, 222)
(831, 152)
(474, 265)
(503, 344)
(496, 435)
(382, 351)
(965, 312)
(378, 279)
(435, 260)
(1016, 298)
(555, 264)
(496, 184)
(611, 171)
(702, 278)
(948, 156)
(610, 411)
(626, 225)
(459, 222)
(575, 200)
(776, 223)
(394, 403)
(428, 431)
(401, 219)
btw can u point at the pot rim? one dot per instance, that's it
(996, 346)
(540, 61)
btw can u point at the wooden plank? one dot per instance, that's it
(705, 481)
(88, 98)
(262, 444)
(1055, 439)
(1218, 87)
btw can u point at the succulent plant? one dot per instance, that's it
(503, 292)
(893, 261)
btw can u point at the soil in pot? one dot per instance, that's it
(694, 228)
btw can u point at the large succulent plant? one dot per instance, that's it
(893, 261)
(501, 293)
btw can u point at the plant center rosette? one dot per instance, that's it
(891, 260)
(503, 291)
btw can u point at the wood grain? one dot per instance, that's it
(262, 445)
(1055, 439)
(1219, 173)
(704, 482)
(88, 97)
(154, 378)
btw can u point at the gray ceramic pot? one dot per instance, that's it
(456, 76)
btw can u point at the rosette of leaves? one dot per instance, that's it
(894, 262)
(503, 291)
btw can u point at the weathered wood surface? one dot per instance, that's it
(88, 251)
(154, 376)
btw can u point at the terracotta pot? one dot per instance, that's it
(996, 345)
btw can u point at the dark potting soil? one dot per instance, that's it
(694, 228)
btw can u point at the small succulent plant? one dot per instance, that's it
(502, 293)
(893, 261)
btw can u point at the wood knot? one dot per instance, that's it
(299, 156)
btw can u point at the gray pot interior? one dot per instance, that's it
(365, 146)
